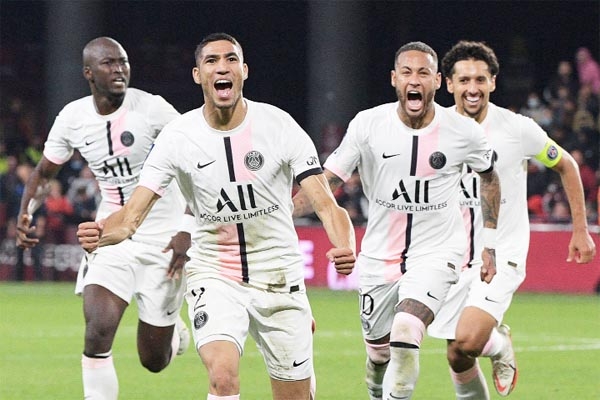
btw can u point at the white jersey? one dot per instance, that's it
(238, 184)
(115, 147)
(411, 179)
(515, 139)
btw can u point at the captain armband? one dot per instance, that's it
(550, 154)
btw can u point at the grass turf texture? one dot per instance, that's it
(557, 339)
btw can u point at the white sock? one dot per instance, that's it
(470, 384)
(174, 343)
(215, 397)
(494, 345)
(99, 378)
(374, 379)
(313, 386)
(403, 369)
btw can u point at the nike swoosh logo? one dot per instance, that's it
(87, 143)
(297, 364)
(389, 155)
(492, 300)
(433, 297)
(200, 166)
(170, 312)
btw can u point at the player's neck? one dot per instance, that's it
(106, 105)
(225, 118)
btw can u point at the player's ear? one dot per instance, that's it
(245, 71)
(196, 75)
(493, 84)
(449, 85)
(87, 73)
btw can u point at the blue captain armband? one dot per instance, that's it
(550, 154)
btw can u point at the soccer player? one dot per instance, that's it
(471, 318)
(410, 156)
(114, 129)
(235, 160)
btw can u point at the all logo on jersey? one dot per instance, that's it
(437, 160)
(420, 194)
(254, 160)
(552, 152)
(244, 201)
(127, 138)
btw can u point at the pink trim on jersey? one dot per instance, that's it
(55, 160)
(229, 252)
(338, 172)
(117, 127)
(427, 144)
(396, 239)
(241, 145)
(155, 188)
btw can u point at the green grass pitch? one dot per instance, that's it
(557, 339)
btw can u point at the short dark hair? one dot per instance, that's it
(469, 50)
(215, 37)
(418, 46)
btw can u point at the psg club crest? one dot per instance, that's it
(437, 160)
(200, 319)
(254, 160)
(552, 152)
(127, 138)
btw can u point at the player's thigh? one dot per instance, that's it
(428, 280)
(217, 309)
(495, 298)
(281, 326)
(377, 310)
(159, 297)
(446, 320)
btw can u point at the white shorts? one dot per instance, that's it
(493, 298)
(280, 323)
(427, 282)
(133, 268)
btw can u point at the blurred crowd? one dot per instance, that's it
(567, 107)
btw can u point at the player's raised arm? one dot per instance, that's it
(336, 222)
(121, 224)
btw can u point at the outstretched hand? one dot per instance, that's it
(343, 258)
(26, 238)
(89, 233)
(180, 243)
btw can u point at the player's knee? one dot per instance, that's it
(378, 353)
(155, 362)
(224, 383)
(469, 345)
(457, 360)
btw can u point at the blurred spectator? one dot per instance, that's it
(537, 110)
(84, 206)
(587, 136)
(59, 211)
(563, 107)
(536, 187)
(563, 78)
(587, 100)
(560, 213)
(86, 181)
(350, 196)
(71, 169)
(588, 69)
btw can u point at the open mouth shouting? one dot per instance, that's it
(224, 89)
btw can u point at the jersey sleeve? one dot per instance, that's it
(481, 157)
(536, 143)
(58, 148)
(344, 160)
(158, 169)
(304, 160)
(160, 113)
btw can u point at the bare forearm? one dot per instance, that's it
(490, 199)
(573, 187)
(339, 228)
